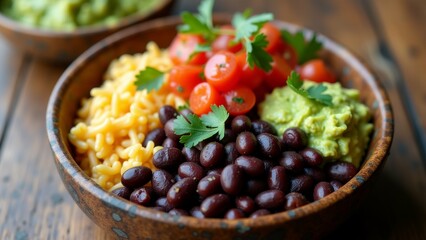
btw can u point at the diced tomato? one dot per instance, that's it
(250, 77)
(316, 70)
(183, 78)
(202, 97)
(182, 48)
(239, 100)
(273, 35)
(222, 71)
(225, 42)
(277, 77)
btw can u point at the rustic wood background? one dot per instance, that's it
(389, 35)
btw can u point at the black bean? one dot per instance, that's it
(228, 137)
(302, 184)
(269, 164)
(252, 166)
(246, 204)
(294, 200)
(166, 113)
(209, 185)
(191, 154)
(168, 142)
(156, 135)
(212, 155)
(234, 213)
(341, 171)
(295, 138)
(142, 196)
(178, 212)
(259, 213)
(292, 161)
(182, 192)
(255, 186)
(336, 185)
(136, 177)
(196, 212)
(260, 126)
(169, 130)
(270, 199)
(192, 170)
(246, 143)
(122, 192)
(277, 178)
(185, 112)
(322, 189)
(164, 204)
(231, 152)
(269, 145)
(215, 205)
(161, 182)
(240, 124)
(217, 171)
(317, 174)
(232, 179)
(178, 178)
(312, 157)
(168, 158)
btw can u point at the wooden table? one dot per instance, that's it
(389, 35)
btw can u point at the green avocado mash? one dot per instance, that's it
(339, 132)
(68, 15)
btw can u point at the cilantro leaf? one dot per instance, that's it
(315, 92)
(150, 79)
(201, 23)
(199, 48)
(247, 26)
(194, 129)
(256, 54)
(305, 50)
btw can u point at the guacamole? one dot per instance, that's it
(339, 132)
(67, 15)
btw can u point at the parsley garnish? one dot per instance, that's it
(315, 92)
(194, 129)
(305, 50)
(246, 28)
(238, 100)
(149, 79)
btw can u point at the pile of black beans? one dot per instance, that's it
(249, 173)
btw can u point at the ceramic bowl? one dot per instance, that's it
(65, 46)
(124, 219)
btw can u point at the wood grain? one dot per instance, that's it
(35, 205)
(11, 65)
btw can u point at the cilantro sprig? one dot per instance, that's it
(194, 129)
(149, 79)
(246, 30)
(305, 50)
(315, 92)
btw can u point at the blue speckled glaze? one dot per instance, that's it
(292, 214)
(132, 211)
(120, 232)
(241, 228)
(116, 217)
(375, 104)
(360, 179)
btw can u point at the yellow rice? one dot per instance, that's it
(113, 122)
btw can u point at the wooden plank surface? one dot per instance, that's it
(35, 205)
(12, 71)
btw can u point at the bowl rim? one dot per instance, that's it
(371, 163)
(129, 20)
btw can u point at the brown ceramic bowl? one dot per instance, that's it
(127, 220)
(65, 46)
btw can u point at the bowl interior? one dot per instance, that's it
(87, 72)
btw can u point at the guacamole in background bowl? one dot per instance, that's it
(71, 14)
(340, 131)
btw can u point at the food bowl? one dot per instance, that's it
(65, 46)
(124, 219)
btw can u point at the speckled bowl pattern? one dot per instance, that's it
(63, 47)
(125, 220)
